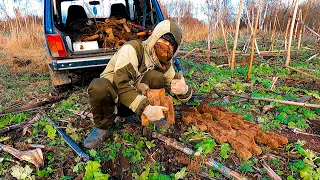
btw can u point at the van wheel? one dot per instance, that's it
(60, 80)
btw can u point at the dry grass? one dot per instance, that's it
(22, 43)
(194, 32)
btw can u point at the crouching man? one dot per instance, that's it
(137, 66)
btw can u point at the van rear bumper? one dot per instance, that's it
(78, 63)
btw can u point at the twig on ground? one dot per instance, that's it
(270, 172)
(189, 53)
(312, 57)
(299, 131)
(205, 175)
(267, 108)
(271, 100)
(5, 139)
(10, 160)
(274, 80)
(304, 73)
(35, 105)
(198, 139)
(210, 162)
(312, 31)
(223, 65)
(24, 124)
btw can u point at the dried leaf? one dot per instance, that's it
(20, 172)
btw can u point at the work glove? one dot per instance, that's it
(154, 113)
(179, 86)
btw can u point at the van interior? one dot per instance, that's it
(88, 25)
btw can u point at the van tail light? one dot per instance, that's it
(56, 45)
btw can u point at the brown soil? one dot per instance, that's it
(312, 137)
(312, 142)
(230, 127)
(119, 168)
(314, 127)
(303, 83)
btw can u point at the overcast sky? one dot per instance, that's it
(35, 7)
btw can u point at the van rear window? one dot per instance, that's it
(99, 9)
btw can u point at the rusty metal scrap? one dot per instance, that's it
(230, 127)
(157, 97)
(111, 33)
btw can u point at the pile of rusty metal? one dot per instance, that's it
(225, 126)
(157, 97)
(111, 33)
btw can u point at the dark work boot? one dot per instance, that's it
(96, 137)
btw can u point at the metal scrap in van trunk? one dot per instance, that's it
(111, 33)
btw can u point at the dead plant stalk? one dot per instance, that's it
(304, 73)
(291, 33)
(236, 36)
(272, 100)
(253, 40)
(303, 21)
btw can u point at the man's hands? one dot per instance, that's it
(179, 86)
(154, 113)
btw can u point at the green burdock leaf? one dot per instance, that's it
(91, 168)
(51, 132)
(225, 148)
(206, 145)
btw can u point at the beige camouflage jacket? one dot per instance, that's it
(127, 67)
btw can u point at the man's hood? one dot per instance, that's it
(166, 26)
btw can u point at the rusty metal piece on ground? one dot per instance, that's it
(230, 127)
(33, 105)
(34, 156)
(157, 97)
(210, 162)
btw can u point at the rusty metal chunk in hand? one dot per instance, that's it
(34, 156)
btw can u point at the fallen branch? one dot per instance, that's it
(24, 124)
(4, 139)
(304, 73)
(34, 105)
(312, 57)
(272, 100)
(189, 53)
(270, 172)
(299, 131)
(208, 161)
(274, 80)
(223, 65)
(312, 31)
